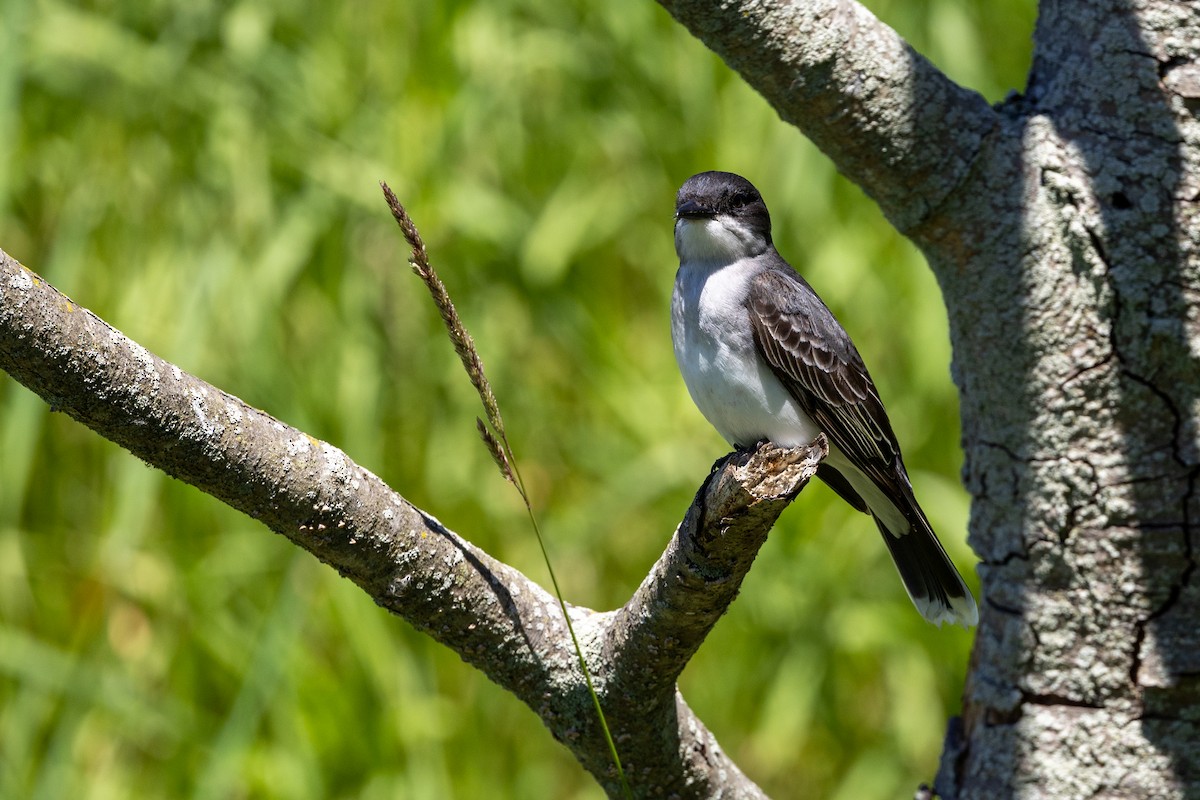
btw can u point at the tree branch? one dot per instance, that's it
(698, 576)
(887, 117)
(489, 613)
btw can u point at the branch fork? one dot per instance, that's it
(496, 618)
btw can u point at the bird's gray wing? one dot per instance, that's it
(813, 357)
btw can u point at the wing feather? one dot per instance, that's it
(813, 357)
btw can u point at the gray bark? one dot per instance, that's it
(1062, 226)
(489, 613)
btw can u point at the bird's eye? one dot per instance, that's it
(739, 200)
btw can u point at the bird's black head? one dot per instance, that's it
(720, 218)
(709, 194)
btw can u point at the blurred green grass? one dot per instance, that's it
(204, 177)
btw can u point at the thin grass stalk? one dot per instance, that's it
(492, 433)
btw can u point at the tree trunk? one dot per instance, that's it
(1069, 270)
(1062, 226)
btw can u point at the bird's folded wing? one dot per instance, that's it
(813, 357)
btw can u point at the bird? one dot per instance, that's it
(764, 359)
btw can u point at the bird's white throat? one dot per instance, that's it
(716, 240)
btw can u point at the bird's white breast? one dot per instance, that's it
(728, 380)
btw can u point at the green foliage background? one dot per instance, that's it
(204, 176)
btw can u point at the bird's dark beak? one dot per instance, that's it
(690, 209)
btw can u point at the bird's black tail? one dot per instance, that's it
(936, 588)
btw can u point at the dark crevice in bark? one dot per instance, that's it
(1176, 591)
(1176, 418)
(1166, 65)
(1003, 448)
(1003, 717)
(1101, 252)
(1016, 612)
(1008, 558)
(1056, 700)
(1085, 371)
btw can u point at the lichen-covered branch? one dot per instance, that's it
(887, 117)
(489, 613)
(700, 573)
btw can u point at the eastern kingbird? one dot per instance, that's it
(764, 359)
